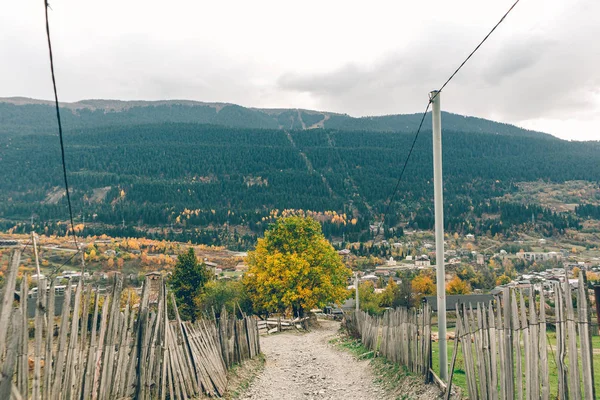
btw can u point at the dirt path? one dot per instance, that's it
(305, 366)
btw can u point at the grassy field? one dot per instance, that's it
(459, 379)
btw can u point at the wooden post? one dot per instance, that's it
(35, 252)
(586, 340)
(49, 339)
(543, 350)
(8, 368)
(574, 381)
(7, 299)
(597, 296)
(39, 321)
(23, 366)
(560, 343)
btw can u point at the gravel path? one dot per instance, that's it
(305, 366)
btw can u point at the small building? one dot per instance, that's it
(241, 268)
(391, 262)
(422, 261)
(344, 252)
(349, 305)
(533, 256)
(480, 259)
(470, 237)
(370, 278)
(453, 300)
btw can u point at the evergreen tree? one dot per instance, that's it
(187, 282)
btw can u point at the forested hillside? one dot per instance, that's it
(213, 184)
(25, 116)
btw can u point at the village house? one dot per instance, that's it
(480, 259)
(422, 261)
(370, 278)
(241, 268)
(533, 256)
(382, 272)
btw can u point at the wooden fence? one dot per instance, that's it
(272, 325)
(507, 351)
(106, 347)
(401, 335)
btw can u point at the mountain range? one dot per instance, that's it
(219, 173)
(24, 115)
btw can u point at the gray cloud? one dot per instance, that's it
(539, 65)
(544, 73)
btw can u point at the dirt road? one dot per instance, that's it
(305, 366)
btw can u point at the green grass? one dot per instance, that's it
(240, 376)
(354, 346)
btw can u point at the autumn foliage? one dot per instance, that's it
(458, 286)
(294, 269)
(423, 285)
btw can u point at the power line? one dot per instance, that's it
(60, 132)
(476, 48)
(433, 98)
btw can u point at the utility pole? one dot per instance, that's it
(439, 231)
(35, 251)
(79, 247)
(356, 290)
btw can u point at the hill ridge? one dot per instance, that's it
(35, 115)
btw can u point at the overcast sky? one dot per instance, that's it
(539, 70)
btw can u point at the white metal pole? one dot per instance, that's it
(439, 231)
(356, 289)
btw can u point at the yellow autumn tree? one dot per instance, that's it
(389, 294)
(294, 269)
(458, 286)
(423, 285)
(503, 280)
